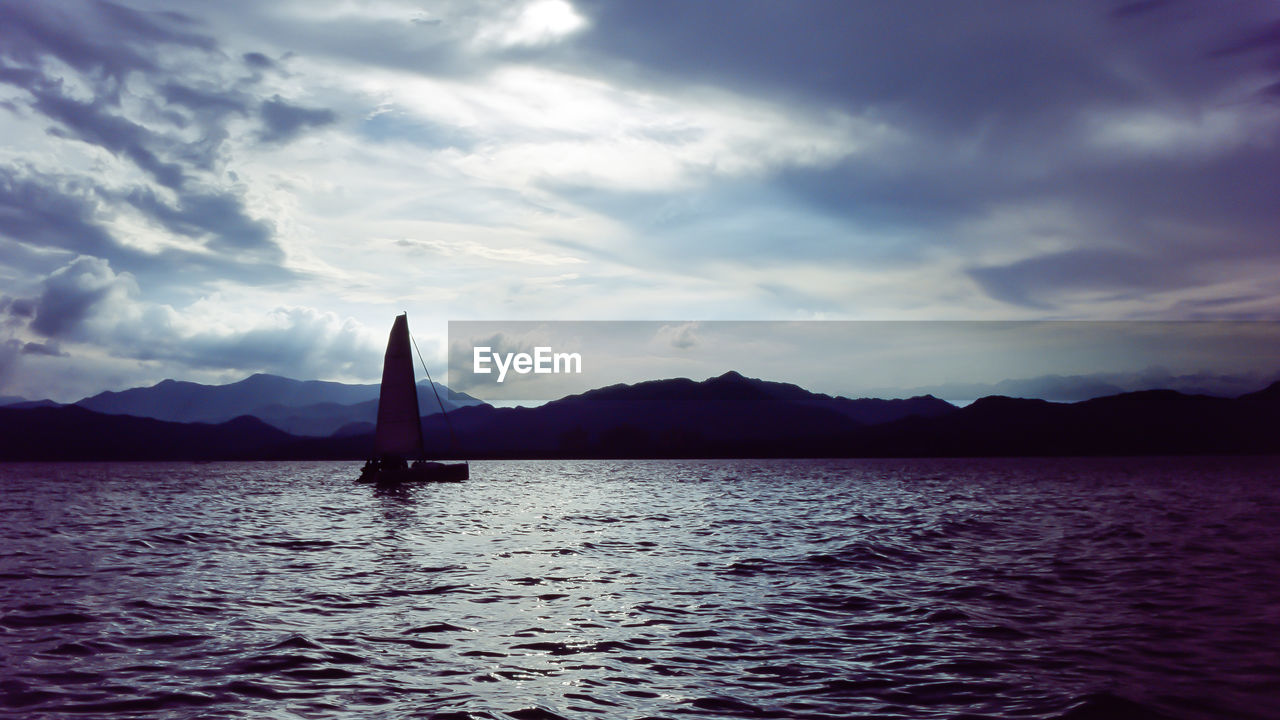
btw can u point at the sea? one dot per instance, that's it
(1073, 589)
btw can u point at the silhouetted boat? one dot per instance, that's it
(398, 439)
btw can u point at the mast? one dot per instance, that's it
(399, 424)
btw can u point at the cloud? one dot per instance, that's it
(156, 95)
(105, 43)
(1139, 7)
(220, 217)
(541, 22)
(148, 342)
(545, 128)
(525, 255)
(74, 292)
(87, 121)
(1260, 41)
(71, 294)
(92, 308)
(59, 218)
(50, 349)
(296, 342)
(43, 211)
(1035, 281)
(10, 354)
(680, 337)
(258, 60)
(1121, 114)
(977, 67)
(283, 121)
(577, 158)
(93, 36)
(214, 102)
(86, 301)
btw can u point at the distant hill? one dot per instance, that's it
(732, 416)
(680, 416)
(727, 416)
(74, 433)
(23, 404)
(870, 411)
(1149, 422)
(300, 407)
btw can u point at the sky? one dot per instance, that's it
(958, 361)
(202, 191)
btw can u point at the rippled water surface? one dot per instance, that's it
(1124, 588)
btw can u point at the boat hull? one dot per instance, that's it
(417, 473)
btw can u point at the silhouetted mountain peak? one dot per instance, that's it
(1004, 403)
(32, 404)
(733, 384)
(1269, 394)
(1272, 390)
(267, 381)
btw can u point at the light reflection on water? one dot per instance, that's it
(927, 589)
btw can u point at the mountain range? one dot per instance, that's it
(299, 407)
(725, 416)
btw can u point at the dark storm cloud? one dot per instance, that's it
(68, 32)
(912, 196)
(1035, 281)
(174, 129)
(1140, 7)
(258, 60)
(19, 308)
(70, 295)
(10, 352)
(949, 65)
(1000, 105)
(21, 77)
(89, 122)
(213, 102)
(49, 349)
(23, 308)
(1264, 40)
(294, 341)
(206, 107)
(44, 211)
(105, 42)
(221, 218)
(301, 341)
(283, 121)
(77, 35)
(437, 46)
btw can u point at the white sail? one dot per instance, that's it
(399, 431)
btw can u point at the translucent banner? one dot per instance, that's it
(533, 362)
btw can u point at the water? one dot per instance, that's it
(795, 589)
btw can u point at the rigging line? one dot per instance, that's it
(443, 413)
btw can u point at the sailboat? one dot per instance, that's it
(398, 439)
